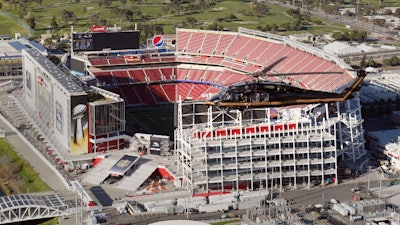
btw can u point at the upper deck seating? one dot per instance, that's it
(116, 60)
(98, 61)
(121, 76)
(104, 77)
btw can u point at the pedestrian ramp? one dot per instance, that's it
(138, 174)
(97, 174)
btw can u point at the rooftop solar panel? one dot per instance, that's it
(59, 75)
(37, 46)
(123, 164)
(17, 45)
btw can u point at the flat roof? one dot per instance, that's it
(384, 137)
(57, 73)
(17, 45)
(123, 164)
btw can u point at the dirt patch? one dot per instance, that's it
(218, 9)
(246, 22)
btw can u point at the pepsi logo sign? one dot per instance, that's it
(158, 41)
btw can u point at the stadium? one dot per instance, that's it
(216, 148)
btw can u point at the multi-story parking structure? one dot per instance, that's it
(288, 146)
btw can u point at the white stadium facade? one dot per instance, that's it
(215, 149)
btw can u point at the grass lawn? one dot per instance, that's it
(226, 222)
(10, 27)
(155, 12)
(29, 176)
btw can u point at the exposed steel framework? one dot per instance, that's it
(279, 147)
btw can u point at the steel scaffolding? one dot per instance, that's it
(286, 147)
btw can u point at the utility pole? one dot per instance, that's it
(319, 7)
(380, 185)
(358, 12)
(271, 194)
(369, 173)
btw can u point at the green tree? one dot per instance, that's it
(215, 26)
(395, 61)
(230, 17)
(337, 36)
(53, 23)
(176, 6)
(31, 22)
(285, 26)
(259, 8)
(371, 63)
(397, 12)
(296, 24)
(274, 27)
(387, 62)
(191, 21)
(103, 22)
(388, 12)
(68, 16)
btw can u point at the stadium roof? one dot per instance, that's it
(59, 75)
(123, 164)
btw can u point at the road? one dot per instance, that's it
(341, 192)
(351, 21)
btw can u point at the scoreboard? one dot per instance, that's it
(82, 42)
(105, 40)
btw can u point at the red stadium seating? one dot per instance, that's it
(238, 45)
(170, 91)
(159, 93)
(104, 77)
(137, 75)
(116, 60)
(145, 94)
(182, 41)
(168, 72)
(195, 43)
(130, 96)
(223, 44)
(121, 76)
(98, 61)
(184, 90)
(199, 53)
(208, 47)
(153, 75)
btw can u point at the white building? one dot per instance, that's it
(341, 48)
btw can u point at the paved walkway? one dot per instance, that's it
(28, 152)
